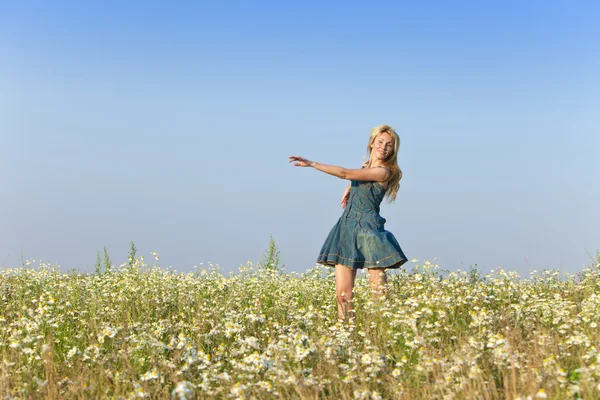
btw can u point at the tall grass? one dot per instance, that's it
(143, 331)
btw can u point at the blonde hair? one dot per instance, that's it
(391, 162)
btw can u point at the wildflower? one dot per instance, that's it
(268, 386)
(237, 389)
(150, 375)
(74, 351)
(252, 342)
(224, 376)
(139, 390)
(110, 332)
(541, 394)
(366, 359)
(183, 391)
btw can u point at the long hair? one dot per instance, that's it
(391, 162)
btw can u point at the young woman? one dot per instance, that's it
(358, 240)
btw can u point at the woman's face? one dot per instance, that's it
(383, 146)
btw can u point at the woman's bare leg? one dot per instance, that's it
(344, 285)
(377, 279)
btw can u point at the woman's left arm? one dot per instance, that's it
(363, 174)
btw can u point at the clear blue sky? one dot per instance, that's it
(170, 125)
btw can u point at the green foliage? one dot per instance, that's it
(474, 274)
(132, 251)
(271, 257)
(107, 262)
(98, 266)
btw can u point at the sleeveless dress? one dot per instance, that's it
(358, 239)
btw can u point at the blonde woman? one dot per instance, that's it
(358, 240)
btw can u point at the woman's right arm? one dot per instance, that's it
(363, 174)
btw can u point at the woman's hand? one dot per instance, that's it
(345, 197)
(300, 161)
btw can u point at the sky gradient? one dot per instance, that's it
(170, 125)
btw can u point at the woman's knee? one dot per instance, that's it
(377, 275)
(344, 295)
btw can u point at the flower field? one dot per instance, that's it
(143, 331)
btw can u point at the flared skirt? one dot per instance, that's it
(361, 243)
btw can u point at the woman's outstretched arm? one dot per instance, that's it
(363, 174)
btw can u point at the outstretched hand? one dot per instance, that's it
(300, 161)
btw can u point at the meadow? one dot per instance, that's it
(143, 331)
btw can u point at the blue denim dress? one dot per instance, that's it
(358, 240)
